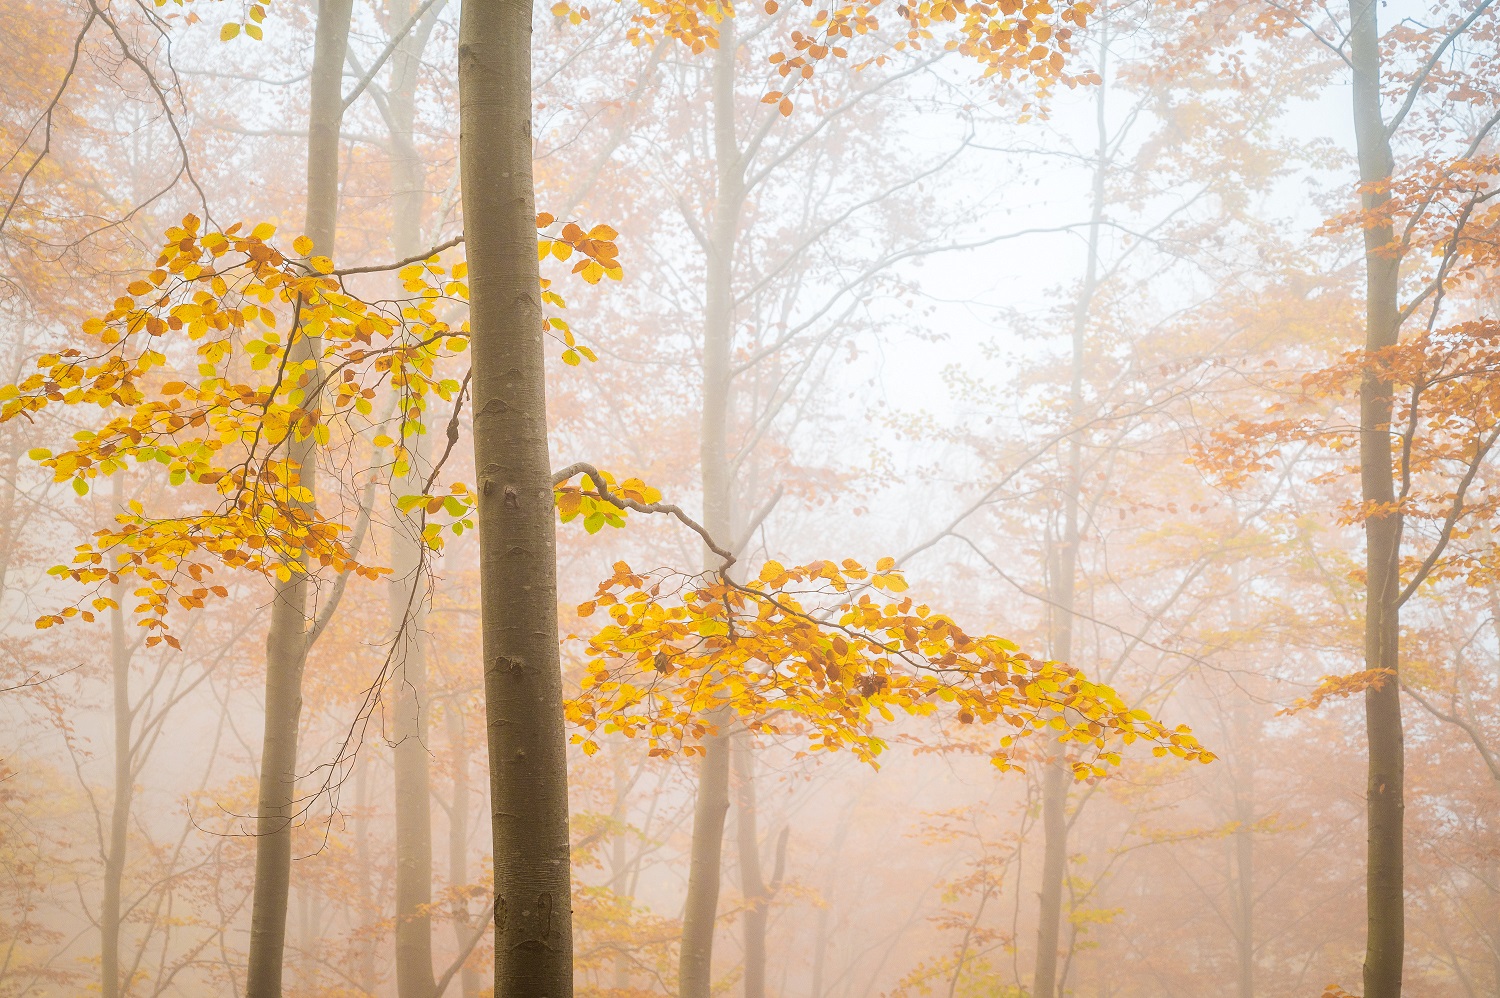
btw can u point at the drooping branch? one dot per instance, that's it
(624, 502)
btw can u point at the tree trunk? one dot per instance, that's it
(517, 544)
(695, 976)
(458, 838)
(407, 593)
(119, 815)
(619, 860)
(820, 951)
(364, 890)
(1062, 583)
(1385, 916)
(1055, 778)
(695, 968)
(752, 884)
(286, 637)
(413, 795)
(1244, 850)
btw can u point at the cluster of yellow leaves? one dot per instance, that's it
(694, 23)
(255, 14)
(567, 12)
(1339, 687)
(598, 259)
(1010, 39)
(572, 501)
(282, 352)
(459, 505)
(830, 647)
(575, 501)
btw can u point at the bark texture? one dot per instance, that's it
(286, 637)
(518, 563)
(1385, 909)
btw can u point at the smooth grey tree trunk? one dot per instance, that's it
(286, 637)
(413, 793)
(517, 542)
(758, 894)
(1385, 906)
(695, 968)
(124, 787)
(364, 888)
(408, 591)
(1246, 736)
(1062, 583)
(752, 883)
(695, 964)
(458, 839)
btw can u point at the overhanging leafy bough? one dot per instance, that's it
(238, 311)
(835, 647)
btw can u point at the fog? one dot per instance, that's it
(975, 499)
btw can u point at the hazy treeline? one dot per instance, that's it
(960, 497)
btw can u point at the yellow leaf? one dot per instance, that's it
(263, 231)
(302, 245)
(228, 31)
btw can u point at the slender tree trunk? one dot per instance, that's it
(517, 543)
(407, 594)
(1244, 851)
(365, 891)
(286, 637)
(458, 838)
(619, 860)
(413, 794)
(752, 884)
(1055, 779)
(695, 972)
(309, 928)
(1385, 915)
(119, 814)
(820, 951)
(1062, 583)
(695, 968)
